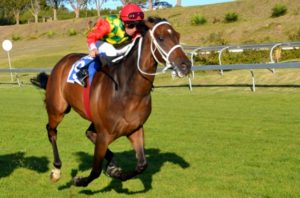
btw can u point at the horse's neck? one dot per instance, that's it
(130, 74)
(147, 61)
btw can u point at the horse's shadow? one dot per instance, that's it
(126, 160)
(10, 162)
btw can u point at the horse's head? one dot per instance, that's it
(165, 46)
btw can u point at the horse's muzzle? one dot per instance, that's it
(183, 68)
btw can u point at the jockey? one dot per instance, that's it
(109, 31)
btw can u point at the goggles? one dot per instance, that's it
(135, 15)
(131, 25)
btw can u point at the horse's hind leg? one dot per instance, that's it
(52, 136)
(54, 120)
(111, 168)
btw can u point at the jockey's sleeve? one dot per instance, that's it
(101, 29)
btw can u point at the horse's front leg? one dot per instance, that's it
(101, 146)
(111, 169)
(137, 141)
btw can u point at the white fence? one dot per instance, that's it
(193, 50)
(271, 65)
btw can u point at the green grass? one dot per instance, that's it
(212, 142)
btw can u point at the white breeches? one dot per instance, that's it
(109, 50)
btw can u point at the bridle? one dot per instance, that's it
(155, 46)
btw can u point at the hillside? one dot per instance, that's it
(255, 25)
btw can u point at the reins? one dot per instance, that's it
(165, 55)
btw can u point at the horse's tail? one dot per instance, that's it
(40, 80)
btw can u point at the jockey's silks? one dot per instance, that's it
(109, 29)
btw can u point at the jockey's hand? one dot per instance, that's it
(93, 53)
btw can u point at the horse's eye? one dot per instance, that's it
(161, 38)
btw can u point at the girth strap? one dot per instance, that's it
(86, 100)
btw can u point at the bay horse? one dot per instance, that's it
(120, 98)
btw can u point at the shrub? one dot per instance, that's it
(198, 19)
(279, 10)
(207, 58)
(72, 32)
(231, 17)
(245, 57)
(50, 33)
(15, 37)
(216, 39)
(33, 37)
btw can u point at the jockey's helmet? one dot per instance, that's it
(131, 12)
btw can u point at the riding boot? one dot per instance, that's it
(82, 75)
(106, 60)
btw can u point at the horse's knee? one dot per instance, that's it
(51, 133)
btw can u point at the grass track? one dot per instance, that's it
(213, 142)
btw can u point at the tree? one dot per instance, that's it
(35, 9)
(77, 5)
(99, 4)
(4, 13)
(124, 2)
(150, 4)
(54, 4)
(16, 7)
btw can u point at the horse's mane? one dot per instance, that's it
(142, 27)
(155, 20)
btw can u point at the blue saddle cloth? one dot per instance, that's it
(94, 65)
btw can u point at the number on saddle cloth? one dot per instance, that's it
(93, 65)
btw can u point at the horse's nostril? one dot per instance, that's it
(186, 65)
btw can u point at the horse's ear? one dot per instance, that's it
(151, 21)
(142, 28)
(149, 24)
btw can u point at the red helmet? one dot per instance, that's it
(131, 12)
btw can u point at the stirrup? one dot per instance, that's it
(81, 77)
(81, 83)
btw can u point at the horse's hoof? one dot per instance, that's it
(79, 181)
(55, 175)
(113, 170)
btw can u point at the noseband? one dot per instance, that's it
(155, 46)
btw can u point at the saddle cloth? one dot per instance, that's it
(93, 67)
